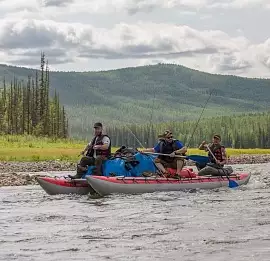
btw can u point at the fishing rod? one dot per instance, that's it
(199, 118)
(152, 115)
(135, 136)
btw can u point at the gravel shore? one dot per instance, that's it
(18, 173)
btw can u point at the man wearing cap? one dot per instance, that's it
(217, 149)
(172, 147)
(97, 151)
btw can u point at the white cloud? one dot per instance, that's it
(64, 42)
(18, 5)
(262, 52)
(239, 4)
(135, 6)
(55, 3)
(27, 27)
(129, 6)
(123, 40)
(228, 62)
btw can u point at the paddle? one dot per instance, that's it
(162, 154)
(232, 183)
(197, 158)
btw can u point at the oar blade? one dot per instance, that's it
(233, 184)
(199, 158)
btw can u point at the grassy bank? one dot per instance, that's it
(28, 148)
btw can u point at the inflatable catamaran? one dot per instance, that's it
(127, 175)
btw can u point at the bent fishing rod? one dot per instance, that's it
(197, 123)
(135, 136)
(195, 128)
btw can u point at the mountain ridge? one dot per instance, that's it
(168, 92)
(135, 67)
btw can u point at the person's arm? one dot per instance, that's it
(156, 149)
(86, 148)
(181, 148)
(106, 143)
(148, 150)
(202, 146)
(224, 156)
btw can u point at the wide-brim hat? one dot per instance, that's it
(165, 134)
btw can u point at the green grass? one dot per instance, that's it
(29, 148)
(28, 141)
(234, 152)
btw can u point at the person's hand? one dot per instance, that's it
(172, 154)
(218, 162)
(204, 142)
(184, 149)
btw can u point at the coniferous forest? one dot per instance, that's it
(131, 95)
(152, 98)
(240, 131)
(26, 108)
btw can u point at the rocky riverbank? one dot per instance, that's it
(24, 173)
(13, 166)
(249, 159)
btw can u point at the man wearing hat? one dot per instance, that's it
(172, 147)
(97, 151)
(217, 149)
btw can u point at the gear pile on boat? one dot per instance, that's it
(130, 171)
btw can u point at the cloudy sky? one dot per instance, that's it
(217, 36)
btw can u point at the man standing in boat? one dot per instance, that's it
(172, 147)
(218, 160)
(97, 151)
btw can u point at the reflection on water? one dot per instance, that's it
(222, 224)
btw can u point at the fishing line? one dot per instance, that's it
(199, 118)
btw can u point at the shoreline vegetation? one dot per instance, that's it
(22, 158)
(161, 93)
(28, 107)
(27, 148)
(35, 125)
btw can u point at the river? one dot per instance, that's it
(222, 224)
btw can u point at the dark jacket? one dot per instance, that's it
(97, 140)
(167, 148)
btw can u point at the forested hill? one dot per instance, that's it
(241, 131)
(149, 93)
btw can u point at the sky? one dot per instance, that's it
(216, 36)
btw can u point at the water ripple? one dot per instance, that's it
(216, 225)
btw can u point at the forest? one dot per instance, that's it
(26, 106)
(135, 105)
(239, 131)
(130, 95)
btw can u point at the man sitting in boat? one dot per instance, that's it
(97, 151)
(217, 156)
(172, 147)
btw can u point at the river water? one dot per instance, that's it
(223, 224)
